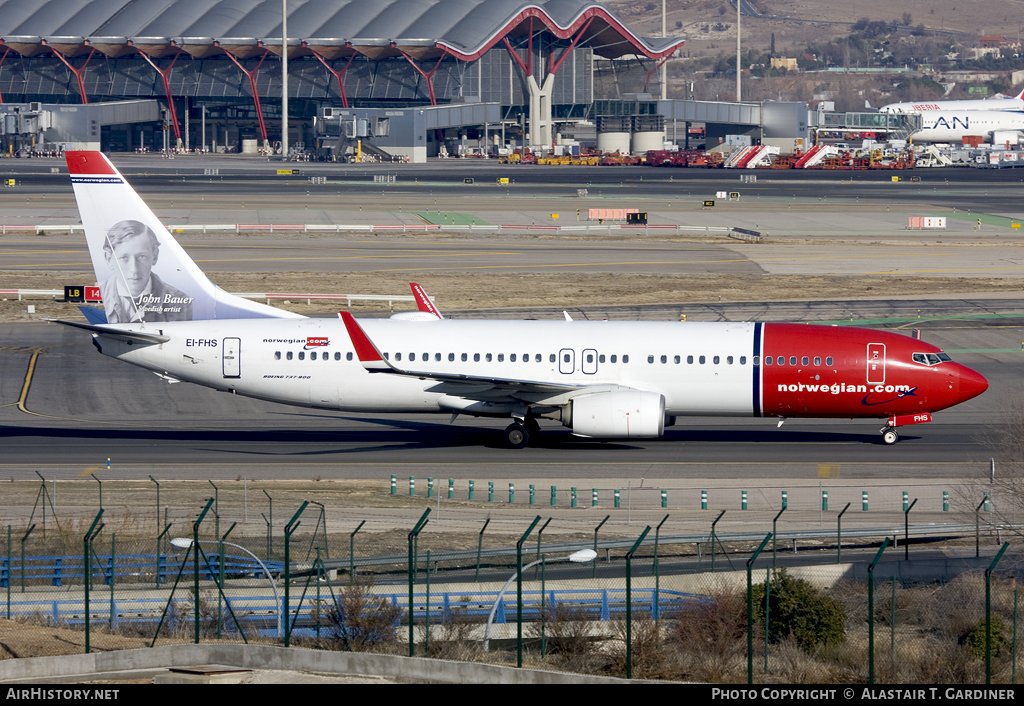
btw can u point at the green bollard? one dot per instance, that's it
(593, 498)
(573, 504)
(864, 501)
(906, 501)
(617, 502)
(490, 491)
(785, 500)
(945, 501)
(824, 500)
(743, 500)
(664, 498)
(532, 489)
(430, 487)
(412, 485)
(703, 500)
(511, 493)
(394, 485)
(451, 488)
(554, 490)
(471, 490)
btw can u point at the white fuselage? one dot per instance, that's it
(277, 360)
(1006, 104)
(953, 126)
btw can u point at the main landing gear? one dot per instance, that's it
(518, 433)
(889, 436)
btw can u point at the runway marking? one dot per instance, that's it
(959, 269)
(28, 382)
(89, 470)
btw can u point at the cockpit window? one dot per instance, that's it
(931, 358)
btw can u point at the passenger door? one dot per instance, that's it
(567, 361)
(876, 363)
(231, 356)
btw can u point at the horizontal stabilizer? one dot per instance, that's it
(119, 333)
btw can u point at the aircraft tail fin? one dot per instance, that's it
(143, 273)
(1020, 96)
(423, 302)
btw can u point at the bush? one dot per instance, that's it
(974, 640)
(364, 620)
(799, 610)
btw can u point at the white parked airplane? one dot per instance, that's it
(954, 125)
(1015, 103)
(602, 379)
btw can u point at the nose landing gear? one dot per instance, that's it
(889, 436)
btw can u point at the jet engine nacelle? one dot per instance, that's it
(629, 414)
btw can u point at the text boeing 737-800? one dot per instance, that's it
(602, 379)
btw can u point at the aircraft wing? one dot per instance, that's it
(374, 362)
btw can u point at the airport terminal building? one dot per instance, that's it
(212, 73)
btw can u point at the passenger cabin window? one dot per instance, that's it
(615, 358)
(828, 361)
(702, 360)
(715, 360)
(590, 357)
(348, 356)
(538, 358)
(512, 358)
(501, 357)
(792, 360)
(625, 359)
(689, 360)
(676, 359)
(552, 358)
(600, 358)
(804, 360)
(277, 355)
(650, 359)
(767, 360)
(398, 356)
(756, 361)
(312, 356)
(464, 357)
(437, 357)
(817, 360)
(476, 357)
(451, 357)
(488, 357)
(728, 359)
(743, 360)
(565, 358)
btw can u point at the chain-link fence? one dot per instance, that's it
(718, 607)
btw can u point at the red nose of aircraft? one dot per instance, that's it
(972, 383)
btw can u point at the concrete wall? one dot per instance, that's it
(37, 669)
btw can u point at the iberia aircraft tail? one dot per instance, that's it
(143, 273)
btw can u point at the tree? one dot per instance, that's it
(799, 610)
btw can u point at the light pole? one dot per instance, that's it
(284, 79)
(583, 556)
(186, 543)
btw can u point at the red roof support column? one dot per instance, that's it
(165, 74)
(6, 49)
(650, 73)
(429, 77)
(252, 84)
(77, 72)
(340, 75)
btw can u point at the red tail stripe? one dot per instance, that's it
(423, 302)
(81, 162)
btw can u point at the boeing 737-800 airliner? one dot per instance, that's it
(602, 379)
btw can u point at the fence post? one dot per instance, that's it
(413, 534)
(906, 526)
(293, 524)
(839, 535)
(750, 609)
(713, 540)
(479, 548)
(87, 564)
(195, 566)
(988, 613)
(657, 570)
(594, 573)
(629, 601)
(519, 591)
(774, 534)
(352, 551)
(23, 556)
(7, 572)
(871, 611)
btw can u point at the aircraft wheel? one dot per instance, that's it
(516, 436)
(890, 437)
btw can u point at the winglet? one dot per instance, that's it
(368, 354)
(423, 302)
